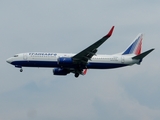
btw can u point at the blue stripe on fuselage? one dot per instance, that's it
(104, 65)
(53, 64)
(36, 63)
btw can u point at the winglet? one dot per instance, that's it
(84, 71)
(110, 32)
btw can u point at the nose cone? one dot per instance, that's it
(9, 60)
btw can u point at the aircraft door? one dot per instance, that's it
(122, 59)
(25, 56)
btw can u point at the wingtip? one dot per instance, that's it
(85, 71)
(110, 32)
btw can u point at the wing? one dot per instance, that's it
(86, 54)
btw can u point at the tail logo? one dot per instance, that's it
(135, 47)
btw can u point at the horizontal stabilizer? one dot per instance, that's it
(142, 55)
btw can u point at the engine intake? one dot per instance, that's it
(59, 71)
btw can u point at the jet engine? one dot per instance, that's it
(59, 71)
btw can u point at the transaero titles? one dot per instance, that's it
(43, 54)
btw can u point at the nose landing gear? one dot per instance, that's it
(18, 66)
(21, 70)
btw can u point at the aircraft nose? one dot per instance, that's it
(9, 60)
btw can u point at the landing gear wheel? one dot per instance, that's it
(76, 75)
(21, 70)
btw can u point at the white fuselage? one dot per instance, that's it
(43, 59)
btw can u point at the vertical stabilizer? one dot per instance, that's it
(135, 47)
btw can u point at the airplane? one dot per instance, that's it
(64, 63)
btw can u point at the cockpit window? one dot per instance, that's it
(15, 55)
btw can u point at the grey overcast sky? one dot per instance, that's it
(70, 26)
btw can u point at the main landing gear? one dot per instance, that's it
(76, 75)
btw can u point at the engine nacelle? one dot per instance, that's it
(65, 61)
(59, 71)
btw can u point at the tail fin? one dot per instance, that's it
(135, 46)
